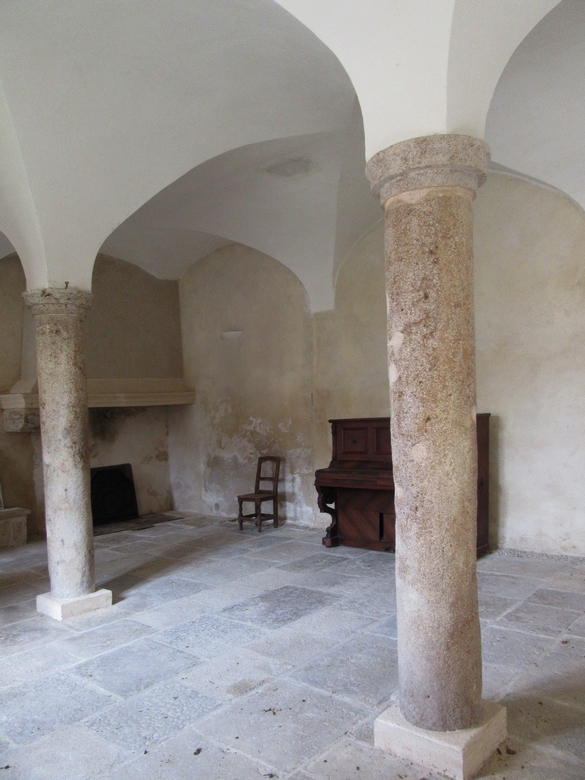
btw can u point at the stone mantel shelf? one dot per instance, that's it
(20, 405)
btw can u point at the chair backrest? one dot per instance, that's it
(271, 477)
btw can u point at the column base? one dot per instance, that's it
(457, 754)
(60, 609)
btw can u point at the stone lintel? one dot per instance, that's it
(456, 754)
(61, 609)
(430, 161)
(58, 301)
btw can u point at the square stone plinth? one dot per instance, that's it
(457, 754)
(13, 527)
(60, 609)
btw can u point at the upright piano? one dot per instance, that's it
(357, 489)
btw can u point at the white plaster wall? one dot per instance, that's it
(530, 315)
(253, 393)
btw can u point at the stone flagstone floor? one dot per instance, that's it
(235, 655)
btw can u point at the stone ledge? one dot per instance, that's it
(456, 754)
(20, 405)
(61, 609)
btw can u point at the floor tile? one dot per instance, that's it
(506, 586)
(538, 619)
(182, 610)
(517, 761)
(546, 723)
(30, 633)
(234, 674)
(364, 669)
(313, 563)
(505, 647)
(134, 667)
(286, 552)
(558, 674)
(151, 716)
(17, 612)
(37, 662)
(32, 710)
(386, 627)
(331, 622)
(209, 635)
(291, 645)
(105, 638)
(278, 607)
(558, 598)
(219, 572)
(493, 607)
(159, 591)
(71, 753)
(282, 724)
(190, 756)
(353, 760)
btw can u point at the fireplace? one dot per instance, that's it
(113, 497)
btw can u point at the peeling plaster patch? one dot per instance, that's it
(230, 465)
(396, 341)
(393, 373)
(419, 453)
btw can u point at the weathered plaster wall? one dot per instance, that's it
(351, 374)
(139, 437)
(530, 314)
(133, 327)
(132, 330)
(530, 331)
(253, 392)
(16, 449)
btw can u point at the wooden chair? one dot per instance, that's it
(259, 496)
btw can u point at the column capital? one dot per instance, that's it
(429, 161)
(58, 301)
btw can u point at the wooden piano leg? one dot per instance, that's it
(327, 496)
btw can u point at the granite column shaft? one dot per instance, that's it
(59, 317)
(427, 186)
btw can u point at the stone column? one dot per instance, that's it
(427, 186)
(59, 315)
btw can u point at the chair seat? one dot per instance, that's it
(255, 496)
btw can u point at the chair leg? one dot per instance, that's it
(240, 513)
(275, 512)
(259, 515)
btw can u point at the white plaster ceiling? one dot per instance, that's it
(161, 131)
(536, 122)
(111, 101)
(280, 197)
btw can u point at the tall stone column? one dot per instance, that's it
(427, 186)
(59, 316)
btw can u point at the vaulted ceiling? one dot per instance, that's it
(161, 131)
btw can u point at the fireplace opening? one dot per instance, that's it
(113, 496)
